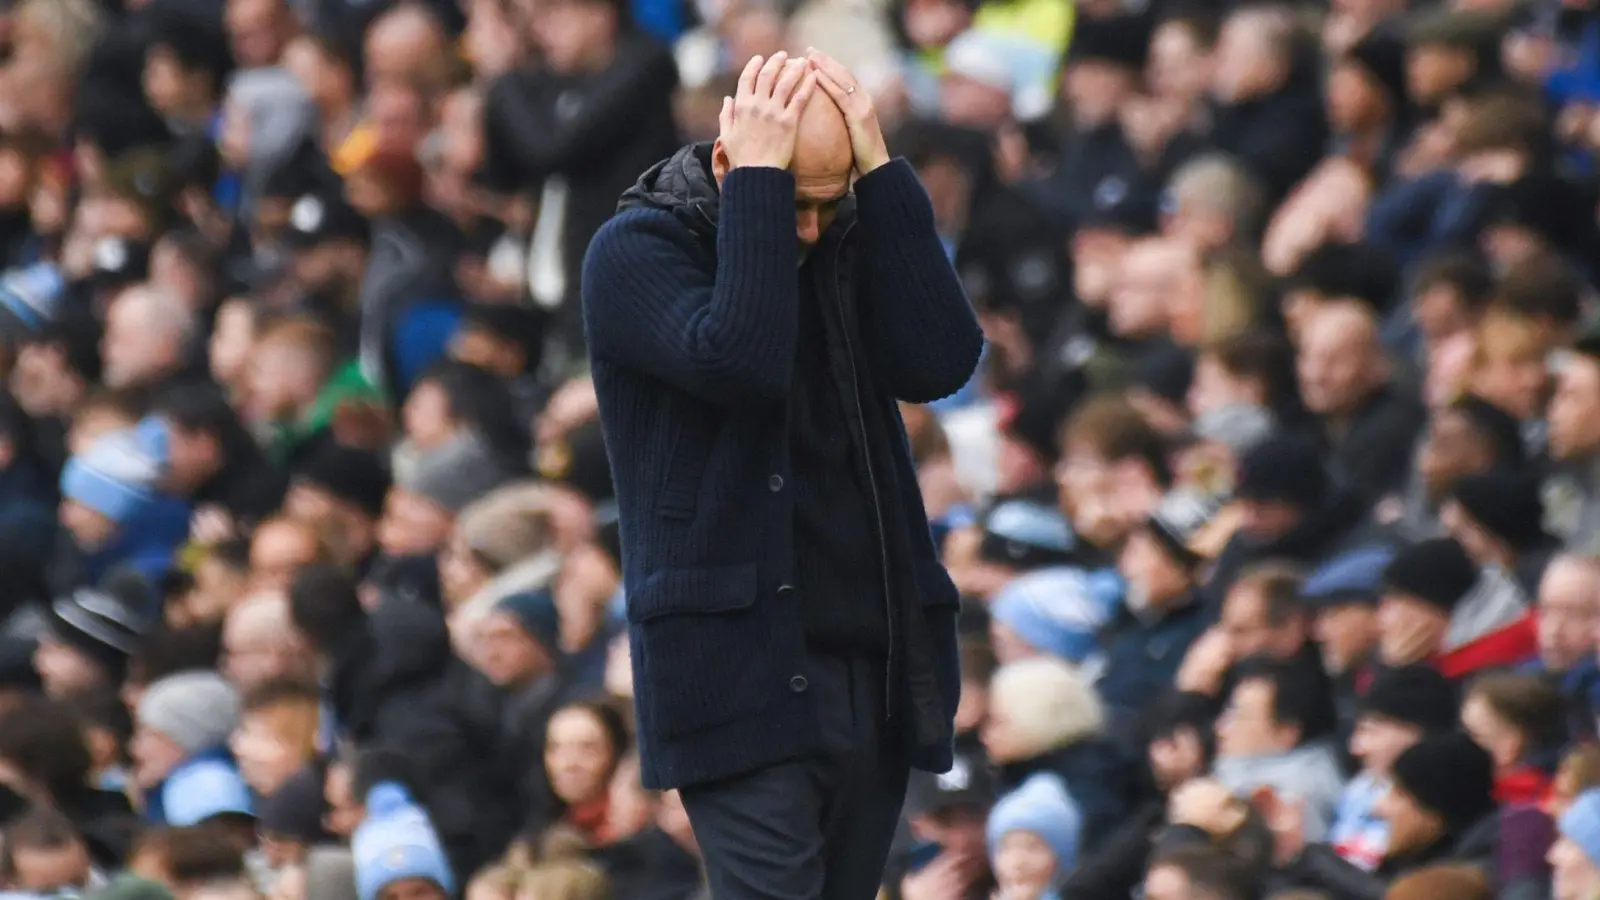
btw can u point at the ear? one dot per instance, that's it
(719, 161)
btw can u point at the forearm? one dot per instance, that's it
(917, 320)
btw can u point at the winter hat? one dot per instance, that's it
(115, 477)
(196, 709)
(202, 789)
(1166, 373)
(1413, 695)
(119, 262)
(1026, 535)
(99, 626)
(453, 475)
(1507, 504)
(1437, 571)
(295, 809)
(1055, 610)
(1237, 426)
(357, 477)
(1353, 577)
(1383, 56)
(397, 841)
(1285, 470)
(579, 461)
(536, 614)
(1040, 806)
(1580, 824)
(323, 216)
(970, 783)
(1450, 775)
(30, 301)
(1180, 515)
(508, 524)
(330, 874)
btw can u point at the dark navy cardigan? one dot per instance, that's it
(691, 307)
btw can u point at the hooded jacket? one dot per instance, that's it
(691, 304)
(396, 684)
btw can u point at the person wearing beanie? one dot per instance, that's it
(1401, 707)
(179, 750)
(87, 646)
(397, 852)
(342, 489)
(113, 507)
(1575, 857)
(1032, 835)
(1438, 607)
(1161, 615)
(1050, 612)
(519, 650)
(1439, 808)
(1499, 518)
(1470, 436)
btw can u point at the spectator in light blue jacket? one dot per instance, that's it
(180, 753)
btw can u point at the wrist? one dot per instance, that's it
(871, 162)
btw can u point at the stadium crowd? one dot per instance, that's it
(1275, 504)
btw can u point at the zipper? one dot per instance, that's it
(872, 478)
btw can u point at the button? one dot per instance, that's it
(775, 483)
(798, 684)
(785, 590)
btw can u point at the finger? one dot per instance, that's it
(808, 86)
(725, 117)
(793, 71)
(769, 74)
(747, 78)
(830, 66)
(831, 87)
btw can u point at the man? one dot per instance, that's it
(1437, 608)
(792, 628)
(1342, 599)
(1266, 109)
(1572, 500)
(1568, 616)
(1263, 741)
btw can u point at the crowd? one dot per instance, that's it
(1275, 503)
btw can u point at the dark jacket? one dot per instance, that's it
(1342, 523)
(396, 685)
(1142, 658)
(1278, 137)
(691, 306)
(27, 533)
(1321, 868)
(595, 134)
(1096, 774)
(1374, 456)
(410, 302)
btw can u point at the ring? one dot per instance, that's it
(850, 90)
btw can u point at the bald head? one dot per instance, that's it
(822, 146)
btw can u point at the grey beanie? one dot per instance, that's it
(197, 710)
(454, 474)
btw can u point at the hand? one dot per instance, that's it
(759, 122)
(210, 525)
(866, 136)
(1206, 662)
(1208, 805)
(1288, 826)
(946, 878)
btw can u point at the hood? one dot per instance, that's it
(406, 641)
(682, 184)
(531, 574)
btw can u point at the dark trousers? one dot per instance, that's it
(818, 826)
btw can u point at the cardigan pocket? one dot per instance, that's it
(701, 656)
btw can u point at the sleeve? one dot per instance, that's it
(728, 336)
(921, 332)
(422, 339)
(1319, 867)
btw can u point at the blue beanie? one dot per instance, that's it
(1042, 807)
(1580, 824)
(1058, 610)
(536, 614)
(396, 842)
(116, 477)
